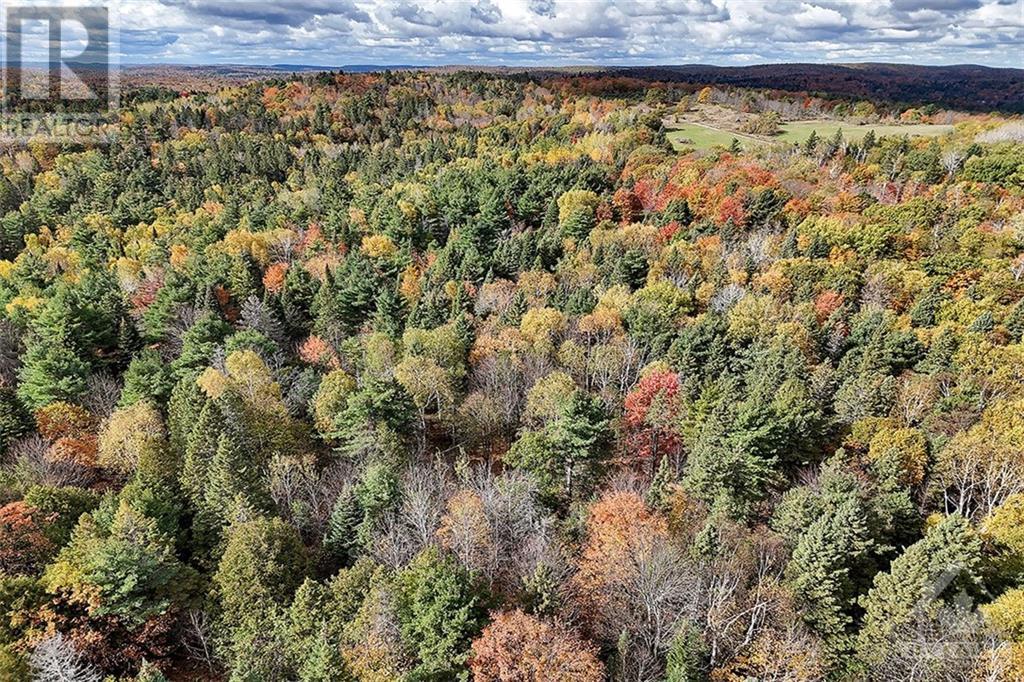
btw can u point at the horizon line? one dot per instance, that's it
(584, 65)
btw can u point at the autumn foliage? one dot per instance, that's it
(518, 647)
(437, 375)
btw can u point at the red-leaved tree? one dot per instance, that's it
(653, 411)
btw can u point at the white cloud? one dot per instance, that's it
(813, 16)
(338, 32)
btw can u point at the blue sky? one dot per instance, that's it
(571, 32)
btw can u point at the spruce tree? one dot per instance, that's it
(821, 574)
(51, 371)
(937, 567)
(389, 313)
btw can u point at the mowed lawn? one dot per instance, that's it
(798, 131)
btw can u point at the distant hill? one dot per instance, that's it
(965, 87)
(350, 68)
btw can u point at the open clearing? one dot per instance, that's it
(694, 135)
(700, 136)
(798, 131)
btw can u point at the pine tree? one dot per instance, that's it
(720, 470)
(658, 493)
(869, 140)
(234, 472)
(263, 564)
(820, 571)
(438, 614)
(922, 314)
(569, 454)
(296, 300)
(685, 661)
(811, 143)
(1014, 321)
(51, 371)
(340, 538)
(183, 412)
(513, 315)
(389, 314)
(199, 343)
(356, 290)
(200, 448)
(128, 340)
(945, 561)
(15, 421)
(147, 378)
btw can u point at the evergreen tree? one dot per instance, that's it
(811, 143)
(567, 456)
(341, 538)
(389, 313)
(51, 371)
(438, 614)
(15, 421)
(822, 571)
(938, 566)
(199, 343)
(685, 661)
(1014, 321)
(200, 447)
(235, 472)
(147, 378)
(263, 564)
(296, 301)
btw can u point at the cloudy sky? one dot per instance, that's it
(571, 32)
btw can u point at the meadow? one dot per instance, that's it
(702, 136)
(698, 136)
(798, 131)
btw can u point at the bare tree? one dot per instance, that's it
(1017, 268)
(740, 590)
(33, 465)
(55, 659)
(953, 645)
(198, 638)
(258, 317)
(305, 494)
(650, 601)
(521, 534)
(951, 161)
(102, 391)
(916, 395)
(640, 586)
(726, 297)
(501, 377)
(1008, 132)
(185, 316)
(976, 478)
(413, 526)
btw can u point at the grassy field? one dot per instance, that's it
(798, 131)
(697, 136)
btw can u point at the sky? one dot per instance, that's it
(571, 32)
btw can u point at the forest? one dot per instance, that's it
(471, 376)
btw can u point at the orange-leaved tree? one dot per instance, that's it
(518, 647)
